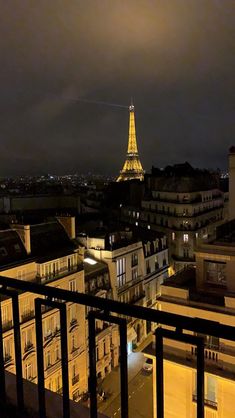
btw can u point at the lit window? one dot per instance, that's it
(185, 237)
(173, 236)
(136, 223)
(210, 396)
(121, 271)
(72, 285)
(148, 226)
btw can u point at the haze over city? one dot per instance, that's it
(176, 59)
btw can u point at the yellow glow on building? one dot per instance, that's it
(132, 168)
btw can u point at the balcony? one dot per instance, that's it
(183, 328)
(59, 273)
(73, 322)
(27, 315)
(207, 402)
(28, 346)
(7, 325)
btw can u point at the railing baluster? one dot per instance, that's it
(64, 360)
(17, 345)
(123, 362)
(92, 365)
(40, 355)
(200, 379)
(159, 373)
(123, 369)
(18, 356)
(2, 368)
(40, 360)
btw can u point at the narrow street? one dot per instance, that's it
(140, 390)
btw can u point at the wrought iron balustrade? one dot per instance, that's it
(112, 312)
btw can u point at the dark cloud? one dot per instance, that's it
(176, 58)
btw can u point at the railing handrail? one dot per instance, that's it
(204, 326)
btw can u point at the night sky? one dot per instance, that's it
(176, 58)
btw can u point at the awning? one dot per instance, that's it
(131, 334)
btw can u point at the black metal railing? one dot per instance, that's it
(107, 311)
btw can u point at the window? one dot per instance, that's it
(148, 269)
(134, 259)
(210, 397)
(134, 274)
(185, 237)
(215, 272)
(156, 263)
(173, 236)
(5, 314)
(26, 308)
(74, 370)
(48, 359)
(27, 339)
(57, 353)
(124, 297)
(70, 263)
(74, 342)
(137, 291)
(7, 349)
(121, 271)
(28, 371)
(73, 313)
(58, 382)
(73, 285)
(48, 327)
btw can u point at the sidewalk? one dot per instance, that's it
(111, 384)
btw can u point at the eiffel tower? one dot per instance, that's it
(132, 168)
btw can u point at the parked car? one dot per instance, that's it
(148, 365)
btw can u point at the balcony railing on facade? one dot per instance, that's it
(184, 329)
(185, 214)
(194, 200)
(57, 274)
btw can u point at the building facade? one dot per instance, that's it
(185, 204)
(49, 257)
(138, 263)
(206, 292)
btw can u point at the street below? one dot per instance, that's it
(139, 390)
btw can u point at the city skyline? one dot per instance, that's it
(175, 60)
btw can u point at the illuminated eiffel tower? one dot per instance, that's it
(132, 168)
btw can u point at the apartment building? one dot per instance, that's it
(207, 292)
(185, 204)
(138, 262)
(97, 283)
(44, 253)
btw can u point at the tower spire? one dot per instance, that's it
(132, 168)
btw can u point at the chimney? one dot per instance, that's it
(24, 233)
(68, 223)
